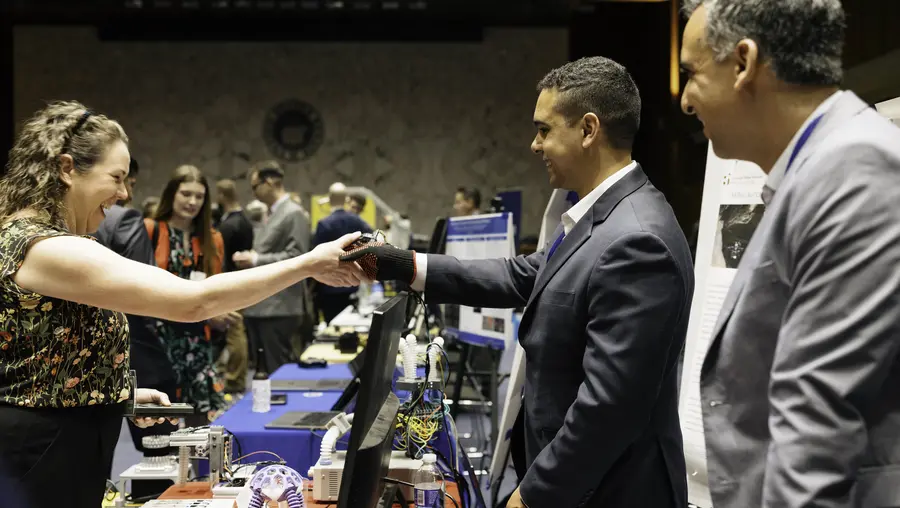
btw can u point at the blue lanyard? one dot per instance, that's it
(802, 141)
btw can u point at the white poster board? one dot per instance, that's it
(559, 203)
(482, 237)
(731, 208)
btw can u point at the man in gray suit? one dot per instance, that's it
(607, 306)
(274, 323)
(799, 384)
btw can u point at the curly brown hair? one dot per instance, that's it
(32, 179)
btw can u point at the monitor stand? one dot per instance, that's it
(391, 494)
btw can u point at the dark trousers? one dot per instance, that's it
(277, 336)
(331, 304)
(57, 457)
(160, 429)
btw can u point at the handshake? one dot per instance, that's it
(381, 261)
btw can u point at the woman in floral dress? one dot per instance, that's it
(186, 245)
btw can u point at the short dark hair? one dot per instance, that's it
(359, 199)
(803, 40)
(268, 169)
(601, 86)
(133, 167)
(471, 194)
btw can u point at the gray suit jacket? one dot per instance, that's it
(799, 387)
(602, 330)
(285, 235)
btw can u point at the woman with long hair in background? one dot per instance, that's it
(186, 245)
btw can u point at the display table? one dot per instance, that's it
(294, 371)
(298, 448)
(201, 490)
(326, 351)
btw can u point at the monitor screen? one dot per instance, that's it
(374, 418)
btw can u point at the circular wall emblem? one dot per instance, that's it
(293, 130)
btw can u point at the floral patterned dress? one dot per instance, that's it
(55, 353)
(188, 345)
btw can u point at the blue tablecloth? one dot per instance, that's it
(299, 448)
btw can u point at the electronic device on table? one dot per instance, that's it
(303, 420)
(358, 481)
(174, 410)
(318, 385)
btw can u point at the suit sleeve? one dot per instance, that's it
(636, 294)
(496, 283)
(839, 334)
(135, 242)
(298, 243)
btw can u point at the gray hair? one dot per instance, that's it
(601, 86)
(801, 39)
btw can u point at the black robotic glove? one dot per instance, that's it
(383, 262)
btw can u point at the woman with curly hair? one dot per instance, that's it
(64, 366)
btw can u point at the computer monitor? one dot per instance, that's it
(369, 451)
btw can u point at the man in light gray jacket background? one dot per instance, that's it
(275, 323)
(799, 384)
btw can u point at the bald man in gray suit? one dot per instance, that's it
(799, 385)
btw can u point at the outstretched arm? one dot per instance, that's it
(91, 274)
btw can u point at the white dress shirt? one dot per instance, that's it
(569, 219)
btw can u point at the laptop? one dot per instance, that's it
(303, 420)
(320, 385)
(309, 385)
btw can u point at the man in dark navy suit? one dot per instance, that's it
(123, 232)
(607, 305)
(330, 300)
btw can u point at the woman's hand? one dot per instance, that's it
(326, 265)
(150, 396)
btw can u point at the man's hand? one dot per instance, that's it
(384, 262)
(515, 500)
(150, 396)
(245, 258)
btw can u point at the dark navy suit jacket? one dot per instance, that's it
(604, 323)
(123, 232)
(329, 229)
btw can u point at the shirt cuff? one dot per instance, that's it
(418, 284)
(254, 258)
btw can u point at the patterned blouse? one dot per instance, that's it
(55, 353)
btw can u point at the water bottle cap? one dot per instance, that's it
(429, 458)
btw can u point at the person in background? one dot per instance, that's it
(148, 206)
(237, 236)
(607, 308)
(123, 232)
(799, 384)
(186, 245)
(331, 300)
(277, 322)
(64, 344)
(355, 203)
(466, 201)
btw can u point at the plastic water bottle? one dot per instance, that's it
(261, 385)
(429, 484)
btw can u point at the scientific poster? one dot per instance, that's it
(732, 207)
